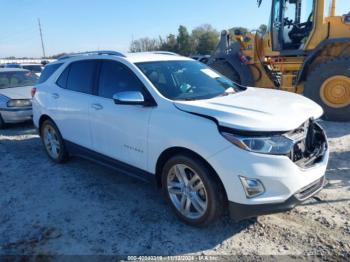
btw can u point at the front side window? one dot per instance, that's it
(81, 76)
(187, 80)
(17, 79)
(116, 77)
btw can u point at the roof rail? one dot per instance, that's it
(104, 52)
(164, 53)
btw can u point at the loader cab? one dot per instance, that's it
(291, 24)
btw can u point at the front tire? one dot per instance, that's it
(192, 190)
(53, 142)
(329, 86)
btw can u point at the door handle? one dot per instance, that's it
(97, 106)
(55, 96)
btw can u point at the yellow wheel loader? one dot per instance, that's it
(305, 50)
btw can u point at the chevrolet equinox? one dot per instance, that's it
(211, 145)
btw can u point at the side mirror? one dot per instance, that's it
(129, 98)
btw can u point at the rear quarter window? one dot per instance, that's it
(48, 71)
(62, 80)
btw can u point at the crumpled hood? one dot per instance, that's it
(23, 92)
(256, 109)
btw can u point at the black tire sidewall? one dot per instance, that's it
(63, 153)
(318, 76)
(214, 193)
(2, 123)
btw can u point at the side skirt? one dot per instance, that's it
(120, 167)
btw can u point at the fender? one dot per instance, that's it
(314, 53)
(231, 56)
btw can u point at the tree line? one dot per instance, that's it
(201, 41)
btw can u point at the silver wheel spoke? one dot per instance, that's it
(198, 203)
(193, 180)
(174, 190)
(199, 186)
(187, 191)
(183, 202)
(180, 172)
(187, 206)
(51, 142)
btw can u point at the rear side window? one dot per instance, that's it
(81, 75)
(48, 71)
(62, 80)
(116, 77)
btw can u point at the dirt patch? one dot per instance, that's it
(83, 208)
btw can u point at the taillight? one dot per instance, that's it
(33, 91)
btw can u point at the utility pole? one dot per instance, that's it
(41, 37)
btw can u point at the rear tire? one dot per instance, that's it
(2, 123)
(329, 86)
(53, 142)
(200, 200)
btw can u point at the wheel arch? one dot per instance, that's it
(42, 119)
(313, 56)
(168, 153)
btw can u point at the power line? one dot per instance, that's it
(41, 37)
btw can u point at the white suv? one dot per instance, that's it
(210, 144)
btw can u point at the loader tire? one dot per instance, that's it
(329, 86)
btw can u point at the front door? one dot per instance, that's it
(276, 24)
(119, 131)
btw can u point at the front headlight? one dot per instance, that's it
(274, 145)
(19, 103)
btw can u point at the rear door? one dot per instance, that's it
(74, 98)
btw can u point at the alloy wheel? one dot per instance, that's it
(51, 141)
(187, 191)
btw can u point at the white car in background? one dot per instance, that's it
(210, 144)
(15, 95)
(35, 68)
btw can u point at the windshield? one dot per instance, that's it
(17, 79)
(187, 80)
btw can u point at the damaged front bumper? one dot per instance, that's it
(239, 211)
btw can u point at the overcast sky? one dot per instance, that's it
(80, 25)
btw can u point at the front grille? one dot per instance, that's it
(310, 144)
(311, 189)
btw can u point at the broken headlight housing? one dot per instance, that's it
(274, 145)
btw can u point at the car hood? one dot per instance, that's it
(23, 92)
(256, 109)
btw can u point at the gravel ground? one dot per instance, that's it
(83, 208)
